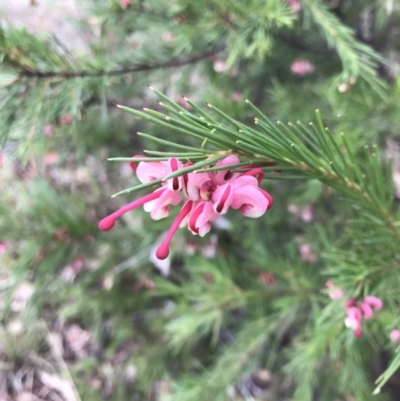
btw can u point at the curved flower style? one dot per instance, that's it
(206, 195)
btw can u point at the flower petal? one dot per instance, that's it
(193, 184)
(173, 165)
(366, 310)
(244, 180)
(353, 320)
(201, 218)
(223, 198)
(208, 215)
(223, 176)
(373, 302)
(250, 200)
(150, 171)
(159, 208)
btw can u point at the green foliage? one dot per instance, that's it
(206, 326)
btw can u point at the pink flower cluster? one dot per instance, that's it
(206, 196)
(356, 313)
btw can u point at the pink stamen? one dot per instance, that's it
(269, 198)
(223, 199)
(108, 222)
(193, 218)
(255, 172)
(163, 250)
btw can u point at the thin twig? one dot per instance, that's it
(175, 62)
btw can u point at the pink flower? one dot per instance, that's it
(50, 158)
(334, 293)
(217, 192)
(67, 119)
(395, 336)
(373, 302)
(294, 5)
(4, 245)
(125, 3)
(302, 67)
(337, 293)
(167, 36)
(61, 234)
(307, 254)
(184, 103)
(159, 207)
(353, 320)
(236, 96)
(355, 313)
(220, 65)
(241, 193)
(201, 218)
(206, 196)
(150, 171)
(267, 278)
(305, 213)
(48, 129)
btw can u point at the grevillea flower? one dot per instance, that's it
(294, 5)
(395, 336)
(306, 253)
(206, 196)
(302, 67)
(48, 129)
(353, 320)
(125, 3)
(355, 313)
(373, 302)
(4, 245)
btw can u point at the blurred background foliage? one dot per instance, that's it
(244, 313)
